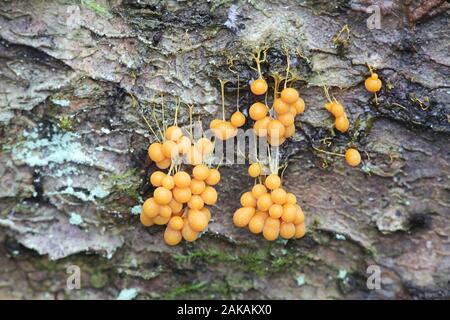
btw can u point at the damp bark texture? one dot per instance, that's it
(76, 75)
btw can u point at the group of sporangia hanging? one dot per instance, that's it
(184, 194)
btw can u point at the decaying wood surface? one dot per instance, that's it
(74, 169)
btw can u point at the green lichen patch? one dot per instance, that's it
(125, 184)
(95, 6)
(40, 149)
(185, 289)
(66, 123)
(228, 287)
(300, 280)
(98, 280)
(64, 103)
(92, 195)
(75, 219)
(259, 262)
(128, 294)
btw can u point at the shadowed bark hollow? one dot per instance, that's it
(74, 167)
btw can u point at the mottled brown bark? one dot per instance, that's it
(74, 146)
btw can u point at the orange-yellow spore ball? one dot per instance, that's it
(256, 223)
(300, 230)
(291, 198)
(259, 86)
(289, 212)
(248, 200)
(276, 211)
(242, 216)
(225, 131)
(272, 222)
(300, 216)
(237, 119)
(289, 95)
(275, 141)
(184, 145)
(231, 131)
(217, 126)
(175, 206)
(197, 220)
(161, 220)
(273, 181)
(172, 237)
(292, 110)
(168, 182)
(258, 111)
(188, 234)
(271, 233)
(260, 126)
(163, 164)
(337, 109)
(287, 119)
(206, 212)
(162, 195)
(215, 123)
(263, 214)
(204, 146)
(182, 195)
(299, 106)
(275, 129)
(352, 157)
(287, 230)
(279, 196)
(155, 152)
(373, 84)
(209, 196)
(213, 177)
(290, 131)
(196, 202)
(170, 149)
(280, 106)
(200, 172)
(194, 157)
(197, 186)
(150, 208)
(182, 179)
(156, 178)
(258, 190)
(254, 170)
(165, 211)
(264, 202)
(173, 133)
(342, 123)
(145, 220)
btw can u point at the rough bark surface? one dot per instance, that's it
(74, 168)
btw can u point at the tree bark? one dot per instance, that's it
(74, 165)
